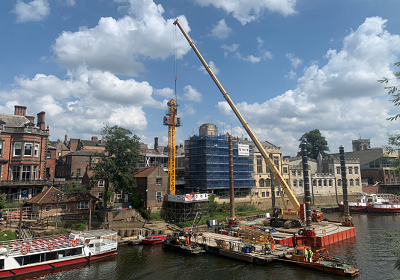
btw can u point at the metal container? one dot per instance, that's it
(211, 223)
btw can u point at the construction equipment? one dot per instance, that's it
(172, 121)
(292, 214)
(248, 234)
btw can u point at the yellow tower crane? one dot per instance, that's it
(172, 121)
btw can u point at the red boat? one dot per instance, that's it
(390, 204)
(153, 239)
(375, 203)
(31, 256)
(360, 205)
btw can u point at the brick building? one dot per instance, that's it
(152, 186)
(23, 154)
(73, 165)
(45, 203)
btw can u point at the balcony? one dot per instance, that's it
(24, 183)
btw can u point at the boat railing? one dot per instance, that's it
(36, 245)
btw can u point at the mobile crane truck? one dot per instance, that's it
(287, 217)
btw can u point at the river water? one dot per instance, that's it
(368, 251)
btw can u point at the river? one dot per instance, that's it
(368, 251)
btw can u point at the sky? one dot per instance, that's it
(290, 66)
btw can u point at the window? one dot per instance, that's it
(276, 161)
(357, 182)
(314, 182)
(83, 205)
(277, 193)
(259, 164)
(1, 149)
(300, 183)
(159, 181)
(350, 170)
(267, 182)
(284, 169)
(34, 173)
(267, 194)
(298, 173)
(325, 183)
(28, 149)
(48, 154)
(63, 207)
(48, 208)
(17, 148)
(263, 194)
(36, 152)
(78, 172)
(159, 196)
(330, 183)
(330, 170)
(351, 182)
(101, 183)
(47, 172)
(355, 170)
(294, 183)
(261, 183)
(100, 196)
(16, 170)
(320, 183)
(386, 172)
(339, 182)
(293, 173)
(26, 172)
(337, 170)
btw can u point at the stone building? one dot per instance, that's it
(23, 154)
(208, 129)
(361, 144)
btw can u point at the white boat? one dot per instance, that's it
(21, 257)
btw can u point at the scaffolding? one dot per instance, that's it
(207, 164)
(185, 211)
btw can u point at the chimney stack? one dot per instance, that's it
(155, 143)
(66, 138)
(40, 121)
(95, 139)
(19, 110)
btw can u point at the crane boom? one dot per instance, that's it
(268, 160)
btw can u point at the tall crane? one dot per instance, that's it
(172, 121)
(286, 213)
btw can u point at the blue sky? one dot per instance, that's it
(291, 66)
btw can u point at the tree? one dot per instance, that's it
(119, 161)
(394, 139)
(316, 143)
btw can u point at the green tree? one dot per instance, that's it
(316, 143)
(75, 186)
(119, 161)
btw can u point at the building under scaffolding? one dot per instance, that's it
(207, 166)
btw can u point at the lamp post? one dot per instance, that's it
(58, 197)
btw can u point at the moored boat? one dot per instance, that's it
(359, 205)
(21, 257)
(153, 239)
(192, 249)
(321, 261)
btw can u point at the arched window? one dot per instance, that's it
(351, 182)
(300, 183)
(339, 182)
(320, 183)
(294, 183)
(261, 183)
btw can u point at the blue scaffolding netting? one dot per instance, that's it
(207, 163)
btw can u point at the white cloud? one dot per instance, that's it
(249, 10)
(116, 45)
(254, 59)
(35, 10)
(191, 93)
(294, 60)
(291, 75)
(342, 95)
(221, 30)
(230, 48)
(187, 110)
(213, 67)
(166, 92)
(70, 3)
(224, 108)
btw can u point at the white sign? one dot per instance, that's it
(243, 150)
(188, 197)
